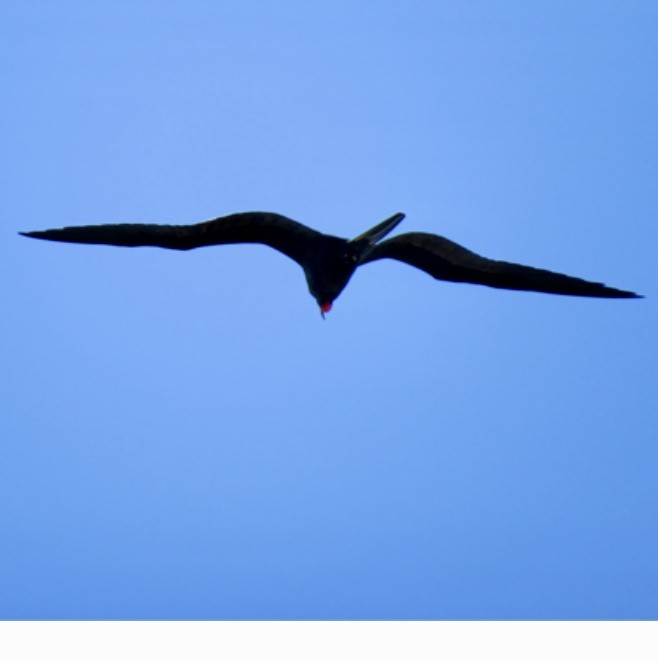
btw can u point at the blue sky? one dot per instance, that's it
(183, 437)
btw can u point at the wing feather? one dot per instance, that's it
(279, 232)
(448, 261)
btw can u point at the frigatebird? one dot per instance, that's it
(329, 261)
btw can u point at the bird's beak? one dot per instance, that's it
(325, 307)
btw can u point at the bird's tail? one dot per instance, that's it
(372, 236)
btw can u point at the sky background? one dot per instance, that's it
(183, 437)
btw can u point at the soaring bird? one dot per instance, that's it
(329, 261)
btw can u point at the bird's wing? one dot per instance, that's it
(449, 261)
(285, 235)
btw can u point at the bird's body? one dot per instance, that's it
(329, 261)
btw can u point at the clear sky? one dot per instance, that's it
(183, 437)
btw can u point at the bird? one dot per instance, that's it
(329, 261)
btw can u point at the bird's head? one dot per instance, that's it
(329, 271)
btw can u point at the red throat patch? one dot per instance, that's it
(325, 307)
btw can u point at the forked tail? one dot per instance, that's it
(372, 236)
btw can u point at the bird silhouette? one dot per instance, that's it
(328, 261)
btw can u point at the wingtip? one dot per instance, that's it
(625, 294)
(32, 234)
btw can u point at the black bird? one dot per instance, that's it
(328, 261)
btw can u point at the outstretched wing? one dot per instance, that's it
(449, 261)
(285, 235)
